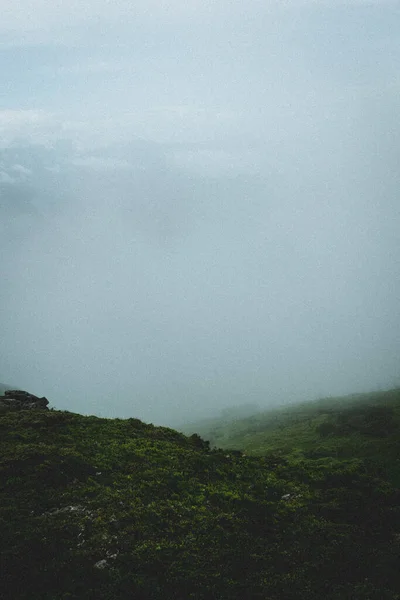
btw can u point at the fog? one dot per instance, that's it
(199, 203)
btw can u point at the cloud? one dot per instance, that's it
(32, 126)
(211, 162)
(28, 17)
(94, 128)
(6, 178)
(60, 22)
(14, 173)
(91, 67)
(183, 123)
(22, 171)
(99, 163)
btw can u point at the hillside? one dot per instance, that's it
(111, 508)
(360, 425)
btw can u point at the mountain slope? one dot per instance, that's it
(110, 508)
(361, 425)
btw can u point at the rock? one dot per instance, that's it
(69, 509)
(21, 400)
(288, 497)
(101, 564)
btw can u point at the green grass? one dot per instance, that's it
(361, 425)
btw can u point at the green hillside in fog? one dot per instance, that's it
(119, 509)
(360, 425)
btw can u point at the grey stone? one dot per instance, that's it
(21, 400)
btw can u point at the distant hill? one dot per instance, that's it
(119, 509)
(358, 425)
(226, 415)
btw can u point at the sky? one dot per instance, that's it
(198, 202)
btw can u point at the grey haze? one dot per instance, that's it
(199, 203)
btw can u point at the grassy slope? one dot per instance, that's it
(173, 519)
(362, 425)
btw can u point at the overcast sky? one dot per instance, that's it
(199, 202)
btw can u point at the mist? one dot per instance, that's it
(199, 204)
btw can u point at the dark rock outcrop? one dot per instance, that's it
(20, 400)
